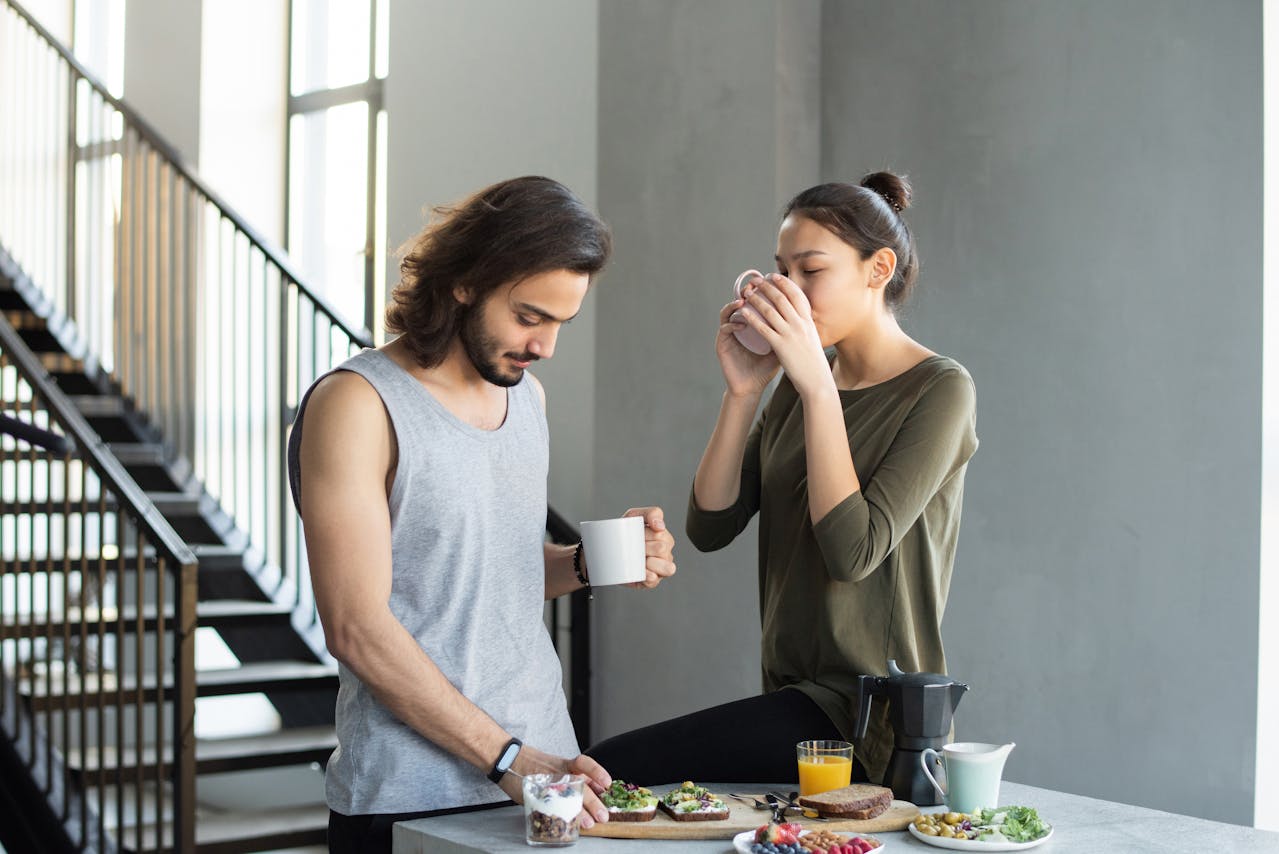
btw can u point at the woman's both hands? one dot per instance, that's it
(782, 316)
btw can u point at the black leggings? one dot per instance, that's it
(371, 834)
(746, 741)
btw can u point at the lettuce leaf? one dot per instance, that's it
(1016, 824)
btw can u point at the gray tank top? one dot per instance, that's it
(468, 512)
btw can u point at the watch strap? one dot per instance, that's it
(504, 760)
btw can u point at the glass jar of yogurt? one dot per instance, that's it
(551, 807)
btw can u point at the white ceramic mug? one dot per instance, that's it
(746, 336)
(614, 550)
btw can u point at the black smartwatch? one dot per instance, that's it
(505, 759)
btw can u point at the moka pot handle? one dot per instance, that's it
(867, 687)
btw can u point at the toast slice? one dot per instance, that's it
(702, 814)
(693, 803)
(859, 801)
(629, 802)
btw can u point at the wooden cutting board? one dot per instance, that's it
(741, 817)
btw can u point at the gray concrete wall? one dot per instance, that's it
(708, 115)
(1088, 200)
(470, 102)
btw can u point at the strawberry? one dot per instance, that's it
(788, 834)
(778, 834)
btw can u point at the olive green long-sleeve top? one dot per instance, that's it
(869, 581)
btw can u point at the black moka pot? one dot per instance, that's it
(921, 707)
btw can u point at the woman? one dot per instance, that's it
(856, 467)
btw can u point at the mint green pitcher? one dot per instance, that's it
(973, 773)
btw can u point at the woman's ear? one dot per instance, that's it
(462, 295)
(883, 263)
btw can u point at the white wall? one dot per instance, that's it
(162, 72)
(1267, 801)
(54, 16)
(243, 108)
(481, 91)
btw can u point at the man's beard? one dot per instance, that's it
(480, 347)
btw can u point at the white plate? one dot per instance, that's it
(977, 845)
(742, 842)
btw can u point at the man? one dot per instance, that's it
(420, 478)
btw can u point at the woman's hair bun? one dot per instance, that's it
(894, 188)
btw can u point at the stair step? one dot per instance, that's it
(211, 557)
(11, 300)
(60, 363)
(99, 405)
(23, 318)
(254, 678)
(214, 557)
(176, 503)
(218, 614)
(215, 756)
(74, 383)
(236, 832)
(39, 339)
(139, 453)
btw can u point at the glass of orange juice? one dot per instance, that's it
(824, 765)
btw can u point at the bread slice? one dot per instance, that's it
(628, 802)
(858, 801)
(697, 815)
(705, 805)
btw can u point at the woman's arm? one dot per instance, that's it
(719, 474)
(725, 492)
(935, 441)
(831, 474)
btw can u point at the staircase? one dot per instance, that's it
(153, 348)
(236, 597)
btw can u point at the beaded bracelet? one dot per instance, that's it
(579, 571)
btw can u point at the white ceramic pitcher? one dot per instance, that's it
(973, 773)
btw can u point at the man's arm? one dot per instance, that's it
(346, 456)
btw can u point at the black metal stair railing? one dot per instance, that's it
(170, 296)
(85, 558)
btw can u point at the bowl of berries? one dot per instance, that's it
(789, 838)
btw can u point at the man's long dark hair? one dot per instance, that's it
(507, 232)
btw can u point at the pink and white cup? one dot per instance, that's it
(746, 336)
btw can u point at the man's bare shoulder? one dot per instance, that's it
(345, 413)
(342, 395)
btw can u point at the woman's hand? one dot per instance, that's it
(745, 372)
(783, 316)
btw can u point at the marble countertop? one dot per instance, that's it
(1079, 825)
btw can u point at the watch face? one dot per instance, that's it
(508, 756)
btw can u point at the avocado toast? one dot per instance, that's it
(693, 803)
(629, 802)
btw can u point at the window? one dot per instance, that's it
(335, 216)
